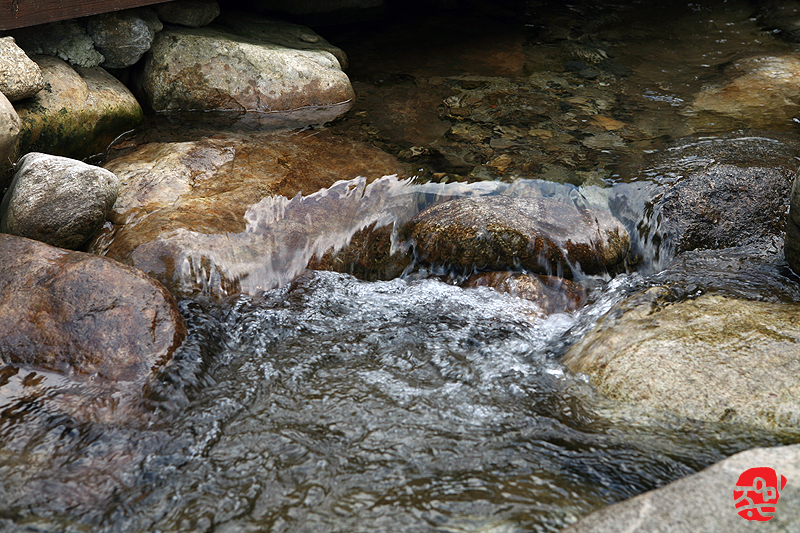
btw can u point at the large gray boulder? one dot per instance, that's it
(82, 315)
(20, 77)
(541, 235)
(123, 37)
(56, 200)
(712, 358)
(704, 502)
(79, 112)
(212, 70)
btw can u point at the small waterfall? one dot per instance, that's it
(282, 235)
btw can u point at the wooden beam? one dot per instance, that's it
(21, 13)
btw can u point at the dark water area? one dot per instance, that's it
(326, 403)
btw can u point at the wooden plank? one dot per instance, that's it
(21, 13)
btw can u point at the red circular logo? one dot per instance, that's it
(756, 493)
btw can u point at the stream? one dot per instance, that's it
(317, 402)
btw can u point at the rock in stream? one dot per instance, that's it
(542, 235)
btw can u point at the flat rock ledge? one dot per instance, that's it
(82, 315)
(542, 235)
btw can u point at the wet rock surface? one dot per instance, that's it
(792, 247)
(20, 77)
(209, 69)
(205, 187)
(724, 206)
(78, 113)
(369, 256)
(538, 234)
(707, 358)
(58, 201)
(83, 315)
(696, 502)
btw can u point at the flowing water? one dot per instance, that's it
(318, 402)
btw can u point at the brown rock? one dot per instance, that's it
(552, 294)
(502, 232)
(183, 203)
(764, 91)
(9, 139)
(82, 314)
(367, 256)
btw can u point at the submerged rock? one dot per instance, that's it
(712, 358)
(764, 91)
(208, 69)
(81, 314)
(500, 232)
(184, 202)
(20, 77)
(58, 201)
(702, 502)
(552, 294)
(79, 112)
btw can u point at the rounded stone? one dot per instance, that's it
(78, 113)
(81, 314)
(202, 69)
(10, 126)
(123, 37)
(541, 235)
(56, 200)
(20, 77)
